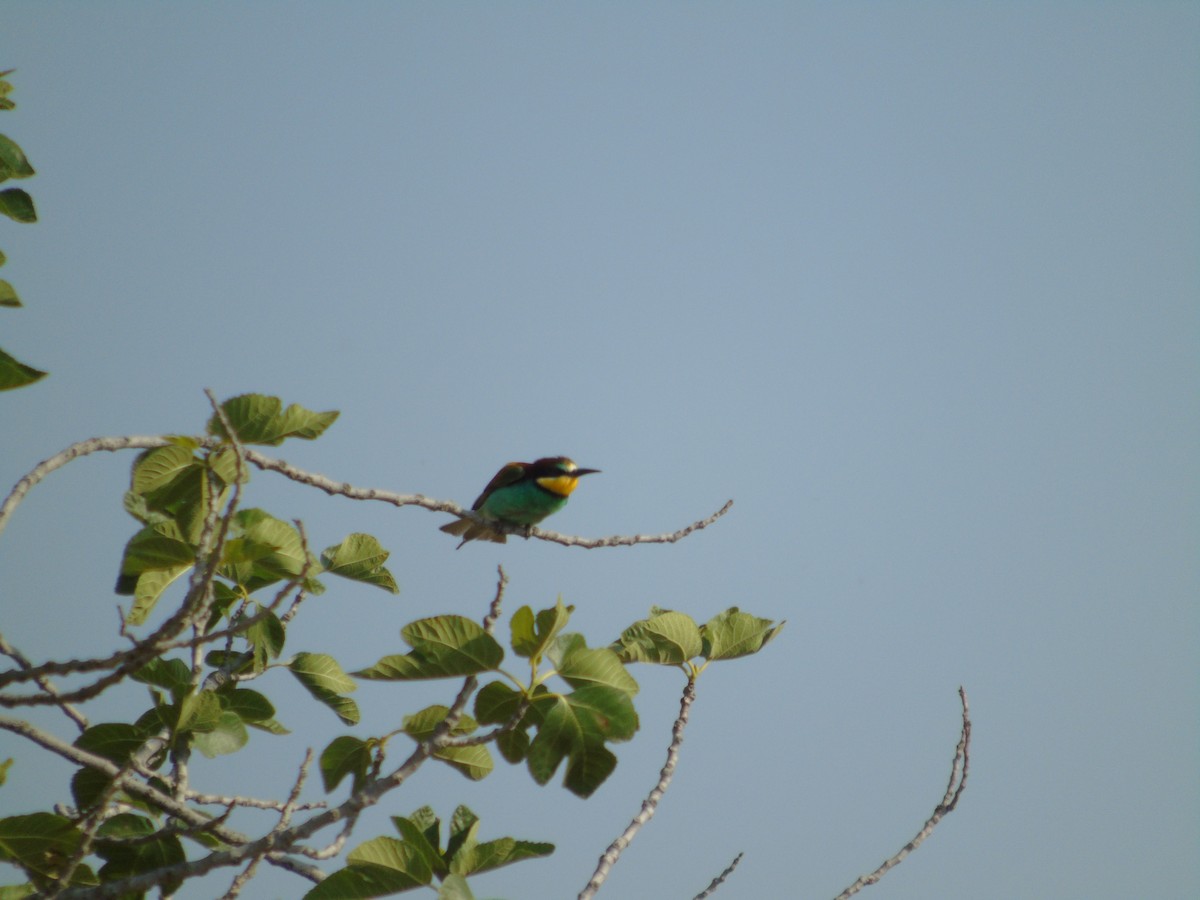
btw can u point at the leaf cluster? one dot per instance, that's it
(176, 490)
(17, 205)
(387, 865)
(536, 724)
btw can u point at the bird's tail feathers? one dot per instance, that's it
(473, 531)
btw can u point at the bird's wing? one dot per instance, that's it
(511, 473)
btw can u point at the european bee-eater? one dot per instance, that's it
(521, 494)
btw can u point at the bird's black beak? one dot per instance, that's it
(579, 472)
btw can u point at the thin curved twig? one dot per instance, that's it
(954, 790)
(720, 879)
(609, 858)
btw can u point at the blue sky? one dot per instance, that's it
(914, 284)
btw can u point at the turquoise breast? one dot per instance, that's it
(524, 504)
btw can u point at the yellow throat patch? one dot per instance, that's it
(559, 484)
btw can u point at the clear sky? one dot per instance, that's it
(915, 284)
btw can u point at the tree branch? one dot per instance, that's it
(44, 683)
(650, 804)
(332, 487)
(720, 879)
(954, 790)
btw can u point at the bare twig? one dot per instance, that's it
(250, 802)
(954, 790)
(720, 879)
(44, 683)
(493, 613)
(88, 828)
(650, 804)
(60, 459)
(285, 819)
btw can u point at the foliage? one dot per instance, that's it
(542, 697)
(17, 205)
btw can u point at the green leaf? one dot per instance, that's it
(13, 163)
(223, 462)
(154, 558)
(346, 755)
(426, 822)
(5, 765)
(454, 887)
(260, 419)
(463, 854)
(494, 854)
(734, 633)
(421, 725)
(199, 713)
(115, 741)
(160, 468)
(605, 711)
(249, 706)
(156, 547)
(17, 205)
(324, 679)
(41, 843)
(584, 666)
(173, 483)
(136, 506)
(125, 856)
(514, 745)
(227, 736)
(496, 703)
(588, 769)
(88, 787)
(269, 550)
(173, 675)
(666, 638)
(148, 589)
(464, 826)
(531, 636)
(558, 735)
(443, 646)
(305, 424)
(475, 762)
(573, 732)
(266, 636)
(377, 868)
(419, 834)
(271, 726)
(15, 374)
(8, 293)
(360, 557)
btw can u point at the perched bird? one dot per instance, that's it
(521, 494)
